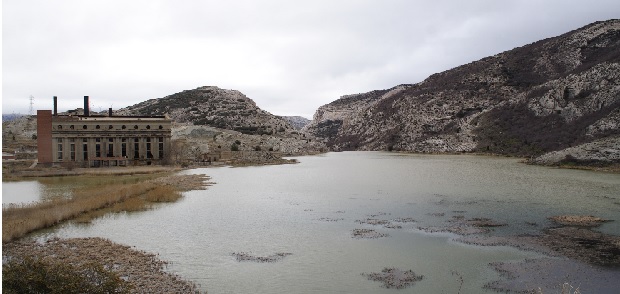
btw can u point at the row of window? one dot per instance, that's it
(85, 127)
(109, 152)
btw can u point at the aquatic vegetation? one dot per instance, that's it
(378, 214)
(405, 220)
(367, 234)
(329, 219)
(458, 224)
(244, 256)
(373, 221)
(436, 213)
(578, 220)
(394, 278)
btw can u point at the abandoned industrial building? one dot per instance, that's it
(101, 140)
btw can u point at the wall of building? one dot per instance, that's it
(109, 140)
(44, 136)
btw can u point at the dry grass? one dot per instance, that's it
(22, 171)
(18, 220)
(86, 204)
(162, 194)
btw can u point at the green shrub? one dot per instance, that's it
(36, 275)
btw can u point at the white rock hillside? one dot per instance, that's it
(546, 96)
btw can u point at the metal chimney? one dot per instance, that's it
(55, 105)
(86, 107)
(110, 112)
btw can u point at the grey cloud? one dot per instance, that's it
(289, 56)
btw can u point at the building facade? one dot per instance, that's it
(99, 140)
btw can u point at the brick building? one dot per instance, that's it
(102, 140)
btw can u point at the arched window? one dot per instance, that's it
(124, 127)
(85, 127)
(161, 127)
(148, 127)
(71, 127)
(110, 127)
(60, 127)
(135, 127)
(97, 127)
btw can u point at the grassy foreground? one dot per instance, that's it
(19, 220)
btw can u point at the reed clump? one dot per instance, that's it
(86, 203)
(162, 194)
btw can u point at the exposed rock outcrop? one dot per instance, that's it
(601, 152)
(542, 97)
(215, 107)
(298, 122)
(210, 118)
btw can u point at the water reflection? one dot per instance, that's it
(21, 192)
(49, 188)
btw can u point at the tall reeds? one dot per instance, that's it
(19, 220)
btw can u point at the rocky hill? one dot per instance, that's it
(297, 122)
(210, 116)
(546, 96)
(214, 107)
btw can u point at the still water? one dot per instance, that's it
(310, 209)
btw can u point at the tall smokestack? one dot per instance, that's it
(55, 105)
(86, 109)
(110, 111)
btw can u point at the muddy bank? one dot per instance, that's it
(144, 271)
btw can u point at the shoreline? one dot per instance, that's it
(574, 254)
(144, 271)
(557, 243)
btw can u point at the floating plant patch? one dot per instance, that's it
(244, 256)
(484, 223)
(329, 219)
(379, 222)
(392, 226)
(379, 214)
(367, 234)
(436, 213)
(405, 220)
(373, 221)
(394, 278)
(578, 220)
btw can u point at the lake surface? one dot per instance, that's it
(310, 210)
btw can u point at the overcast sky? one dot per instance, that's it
(290, 57)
